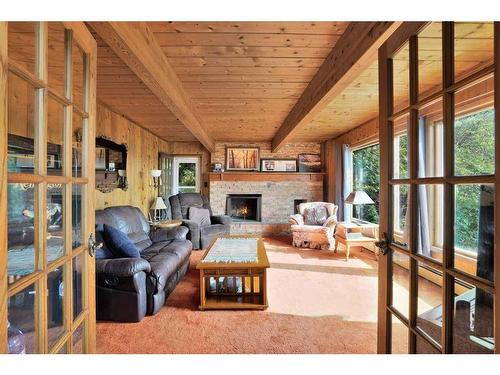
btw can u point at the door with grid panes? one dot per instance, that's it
(47, 127)
(439, 99)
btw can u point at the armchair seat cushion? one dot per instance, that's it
(309, 229)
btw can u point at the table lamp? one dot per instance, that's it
(358, 197)
(158, 209)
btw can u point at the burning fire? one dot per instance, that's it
(243, 211)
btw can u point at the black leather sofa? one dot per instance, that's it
(130, 288)
(200, 236)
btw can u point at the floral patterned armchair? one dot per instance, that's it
(314, 225)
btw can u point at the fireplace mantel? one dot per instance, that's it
(265, 176)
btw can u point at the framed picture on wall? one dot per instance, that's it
(278, 165)
(242, 158)
(309, 163)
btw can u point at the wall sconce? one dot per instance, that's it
(122, 179)
(155, 178)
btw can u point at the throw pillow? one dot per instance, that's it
(103, 252)
(119, 243)
(315, 215)
(200, 216)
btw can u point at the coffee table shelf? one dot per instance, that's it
(234, 302)
(234, 285)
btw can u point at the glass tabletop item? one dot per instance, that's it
(233, 250)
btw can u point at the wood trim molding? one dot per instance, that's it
(137, 46)
(354, 52)
(265, 176)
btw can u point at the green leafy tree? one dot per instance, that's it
(474, 155)
(366, 171)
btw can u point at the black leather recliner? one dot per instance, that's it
(200, 236)
(130, 288)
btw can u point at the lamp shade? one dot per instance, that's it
(155, 173)
(159, 204)
(359, 197)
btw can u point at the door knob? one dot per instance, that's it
(93, 246)
(383, 244)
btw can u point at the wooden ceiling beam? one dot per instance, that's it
(354, 52)
(137, 46)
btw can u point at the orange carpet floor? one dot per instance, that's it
(318, 303)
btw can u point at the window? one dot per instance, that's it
(366, 177)
(186, 175)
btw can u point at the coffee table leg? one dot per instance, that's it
(202, 290)
(263, 287)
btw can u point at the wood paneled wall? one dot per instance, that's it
(143, 149)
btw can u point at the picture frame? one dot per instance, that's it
(242, 159)
(310, 163)
(278, 165)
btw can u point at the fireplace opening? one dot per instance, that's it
(244, 207)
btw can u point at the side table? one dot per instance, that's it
(355, 233)
(165, 224)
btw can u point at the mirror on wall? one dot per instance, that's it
(110, 165)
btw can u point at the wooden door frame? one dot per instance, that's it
(407, 33)
(3, 185)
(83, 37)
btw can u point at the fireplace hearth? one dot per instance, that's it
(244, 207)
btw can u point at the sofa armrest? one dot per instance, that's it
(296, 219)
(192, 225)
(331, 222)
(221, 219)
(122, 267)
(165, 234)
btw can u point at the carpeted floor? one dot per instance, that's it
(318, 303)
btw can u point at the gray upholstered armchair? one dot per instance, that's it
(314, 225)
(200, 235)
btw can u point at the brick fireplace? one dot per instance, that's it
(277, 199)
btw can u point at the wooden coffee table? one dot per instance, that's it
(229, 282)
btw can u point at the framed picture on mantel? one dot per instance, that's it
(242, 159)
(309, 163)
(278, 165)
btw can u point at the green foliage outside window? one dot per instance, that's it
(187, 174)
(366, 177)
(474, 155)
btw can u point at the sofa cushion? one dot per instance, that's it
(200, 216)
(119, 243)
(165, 258)
(315, 215)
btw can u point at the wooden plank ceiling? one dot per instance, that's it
(244, 78)
(121, 90)
(359, 102)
